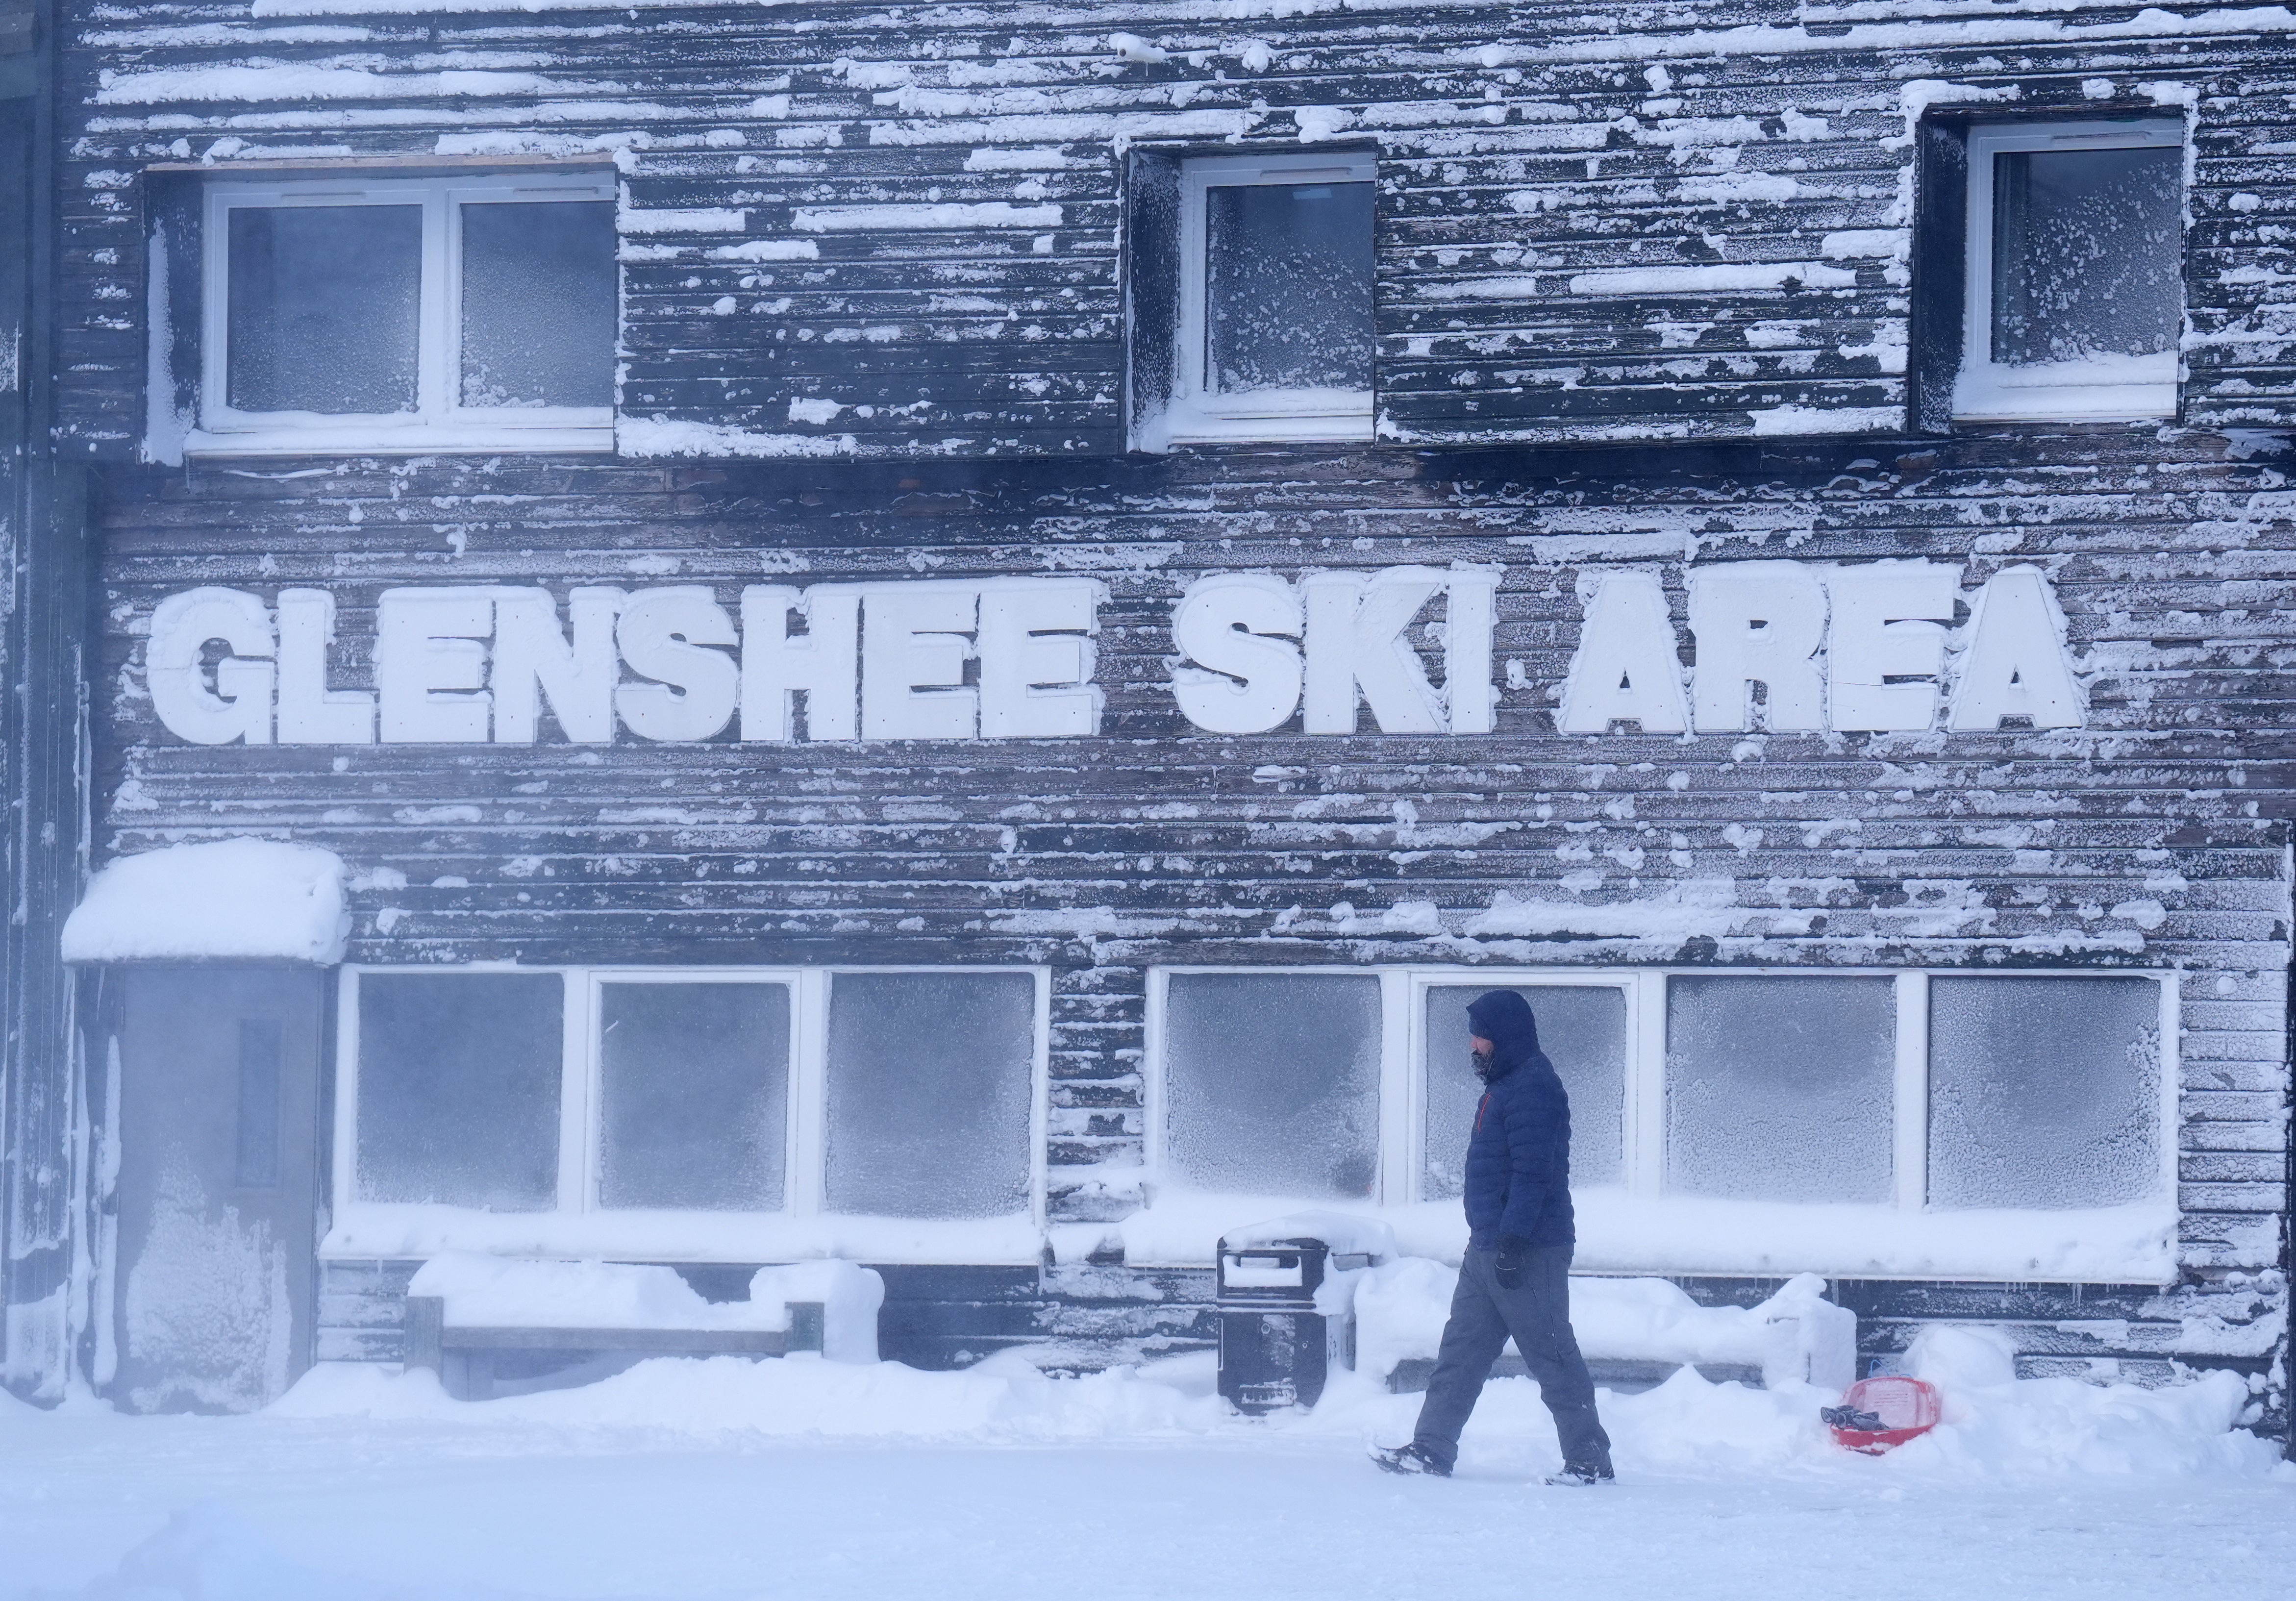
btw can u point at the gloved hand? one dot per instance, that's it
(1512, 1261)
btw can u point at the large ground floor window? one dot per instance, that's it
(716, 1113)
(1910, 1123)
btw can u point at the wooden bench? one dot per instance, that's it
(464, 1355)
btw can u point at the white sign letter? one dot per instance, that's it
(823, 661)
(1625, 669)
(532, 660)
(426, 641)
(1356, 640)
(665, 634)
(310, 712)
(913, 654)
(1888, 621)
(1758, 622)
(1472, 618)
(238, 707)
(2015, 662)
(1036, 658)
(1237, 629)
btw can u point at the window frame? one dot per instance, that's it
(1403, 1074)
(439, 421)
(1197, 414)
(1987, 392)
(577, 1224)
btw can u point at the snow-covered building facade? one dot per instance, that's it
(952, 634)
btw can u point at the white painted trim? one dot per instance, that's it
(439, 423)
(2172, 1084)
(346, 1130)
(1646, 1089)
(1040, 1095)
(808, 1094)
(578, 1118)
(1152, 1085)
(1910, 1150)
(1402, 1095)
(1988, 391)
(1199, 414)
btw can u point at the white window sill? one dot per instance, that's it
(369, 1231)
(366, 439)
(1669, 1235)
(2123, 389)
(1308, 417)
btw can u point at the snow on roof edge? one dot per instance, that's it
(227, 899)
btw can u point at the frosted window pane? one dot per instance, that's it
(1583, 1031)
(458, 1077)
(694, 1094)
(538, 304)
(930, 1076)
(2044, 1091)
(1780, 1088)
(1287, 287)
(2088, 253)
(1271, 1082)
(324, 306)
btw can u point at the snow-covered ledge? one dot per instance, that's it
(1667, 1234)
(245, 901)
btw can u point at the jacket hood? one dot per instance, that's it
(1505, 1018)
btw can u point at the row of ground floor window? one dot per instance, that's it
(465, 1097)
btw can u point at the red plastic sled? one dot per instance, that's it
(1904, 1408)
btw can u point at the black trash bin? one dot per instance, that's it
(1277, 1349)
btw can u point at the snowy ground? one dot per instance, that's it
(699, 1480)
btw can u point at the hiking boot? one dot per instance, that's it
(1580, 1474)
(1412, 1459)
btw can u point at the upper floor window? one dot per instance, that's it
(1275, 299)
(2075, 285)
(409, 313)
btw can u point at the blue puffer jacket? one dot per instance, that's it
(1518, 1178)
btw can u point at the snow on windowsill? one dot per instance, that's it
(227, 899)
(367, 1230)
(1285, 416)
(2102, 389)
(1618, 1233)
(418, 441)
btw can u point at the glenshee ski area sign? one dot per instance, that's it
(1864, 648)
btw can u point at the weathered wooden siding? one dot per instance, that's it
(1670, 221)
(2157, 836)
(44, 576)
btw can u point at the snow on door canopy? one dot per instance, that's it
(1867, 648)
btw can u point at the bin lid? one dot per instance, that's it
(1342, 1234)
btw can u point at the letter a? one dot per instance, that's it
(1625, 669)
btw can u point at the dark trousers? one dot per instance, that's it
(1537, 1314)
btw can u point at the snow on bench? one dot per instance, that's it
(485, 1323)
(1634, 1332)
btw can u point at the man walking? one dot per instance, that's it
(1515, 1278)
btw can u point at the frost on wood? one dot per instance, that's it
(243, 899)
(1731, 253)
